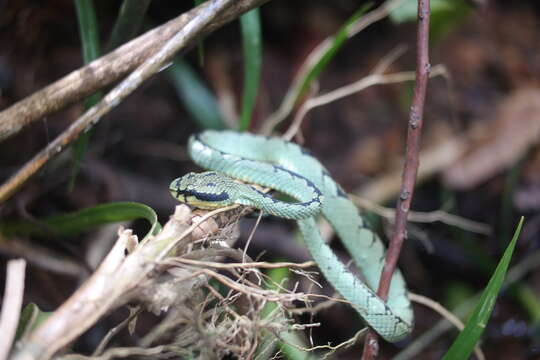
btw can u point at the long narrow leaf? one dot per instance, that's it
(266, 348)
(128, 22)
(88, 29)
(252, 46)
(338, 41)
(314, 65)
(83, 220)
(88, 32)
(31, 317)
(469, 336)
(200, 45)
(199, 101)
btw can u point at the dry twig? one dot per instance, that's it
(441, 310)
(247, 265)
(110, 285)
(108, 69)
(11, 305)
(151, 66)
(121, 278)
(425, 217)
(40, 256)
(291, 97)
(362, 84)
(411, 164)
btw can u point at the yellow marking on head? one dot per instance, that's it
(193, 201)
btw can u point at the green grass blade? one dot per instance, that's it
(31, 317)
(198, 100)
(83, 220)
(339, 39)
(200, 45)
(252, 47)
(88, 29)
(469, 336)
(88, 32)
(528, 299)
(128, 22)
(312, 67)
(266, 348)
(507, 207)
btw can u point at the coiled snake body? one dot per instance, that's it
(290, 169)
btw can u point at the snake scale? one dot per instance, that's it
(290, 169)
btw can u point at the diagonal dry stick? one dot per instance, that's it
(107, 69)
(315, 56)
(194, 28)
(11, 304)
(410, 170)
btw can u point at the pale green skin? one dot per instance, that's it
(284, 166)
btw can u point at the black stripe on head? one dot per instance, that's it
(209, 197)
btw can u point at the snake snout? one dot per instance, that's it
(174, 184)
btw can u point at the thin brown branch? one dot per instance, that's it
(425, 217)
(11, 305)
(81, 310)
(410, 170)
(40, 256)
(246, 265)
(108, 69)
(151, 66)
(114, 331)
(314, 57)
(111, 285)
(347, 90)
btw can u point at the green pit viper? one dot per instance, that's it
(288, 168)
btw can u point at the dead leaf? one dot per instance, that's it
(504, 141)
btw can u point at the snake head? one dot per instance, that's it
(207, 190)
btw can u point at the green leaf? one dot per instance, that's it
(469, 336)
(31, 317)
(83, 220)
(313, 66)
(528, 299)
(198, 100)
(265, 350)
(252, 45)
(88, 32)
(128, 22)
(507, 203)
(200, 45)
(339, 39)
(88, 29)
